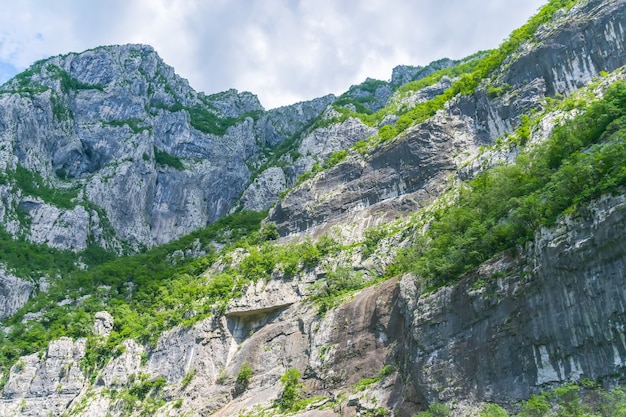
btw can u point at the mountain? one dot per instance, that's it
(115, 127)
(446, 243)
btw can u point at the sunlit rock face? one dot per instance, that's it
(98, 125)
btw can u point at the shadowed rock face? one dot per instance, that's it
(272, 333)
(364, 333)
(570, 53)
(558, 316)
(554, 311)
(407, 166)
(564, 55)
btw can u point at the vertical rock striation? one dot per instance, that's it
(558, 315)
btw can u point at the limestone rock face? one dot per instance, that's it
(568, 53)
(558, 316)
(264, 190)
(103, 324)
(64, 229)
(321, 143)
(115, 127)
(283, 123)
(110, 146)
(14, 292)
(409, 166)
(403, 74)
(118, 371)
(551, 314)
(564, 55)
(43, 385)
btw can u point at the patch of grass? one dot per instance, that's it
(33, 184)
(165, 159)
(133, 124)
(69, 83)
(366, 382)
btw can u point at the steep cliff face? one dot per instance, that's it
(50, 382)
(570, 51)
(270, 329)
(552, 314)
(117, 127)
(562, 56)
(14, 292)
(399, 177)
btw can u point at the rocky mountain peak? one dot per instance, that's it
(121, 130)
(403, 74)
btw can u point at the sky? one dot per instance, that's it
(284, 51)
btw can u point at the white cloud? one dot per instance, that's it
(282, 50)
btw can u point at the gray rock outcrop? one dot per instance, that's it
(551, 314)
(110, 146)
(399, 177)
(14, 292)
(103, 324)
(264, 190)
(284, 123)
(43, 385)
(323, 142)
(403, 74)
(55, 227)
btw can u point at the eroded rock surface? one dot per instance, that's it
(558, 316)
(14, 292)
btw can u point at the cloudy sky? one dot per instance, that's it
(282, 50)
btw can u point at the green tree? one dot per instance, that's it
(291, 389)
(435, 410)
(536, 406)
(493, 410)
(244, 375)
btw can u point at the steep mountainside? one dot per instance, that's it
(404, 175)
(116, 128)
(447, 243)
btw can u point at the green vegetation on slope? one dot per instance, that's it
(26, 259)
(165, 159)
(470, 73)
(584, 399)
(153, 291)
(32, 183)
(69, 83)
(135, 125)
(205, 119)
(503, 207)
(22, 83)
(146, 293)
(351, 97)
(500, 209)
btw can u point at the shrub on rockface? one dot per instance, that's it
(291, 389)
